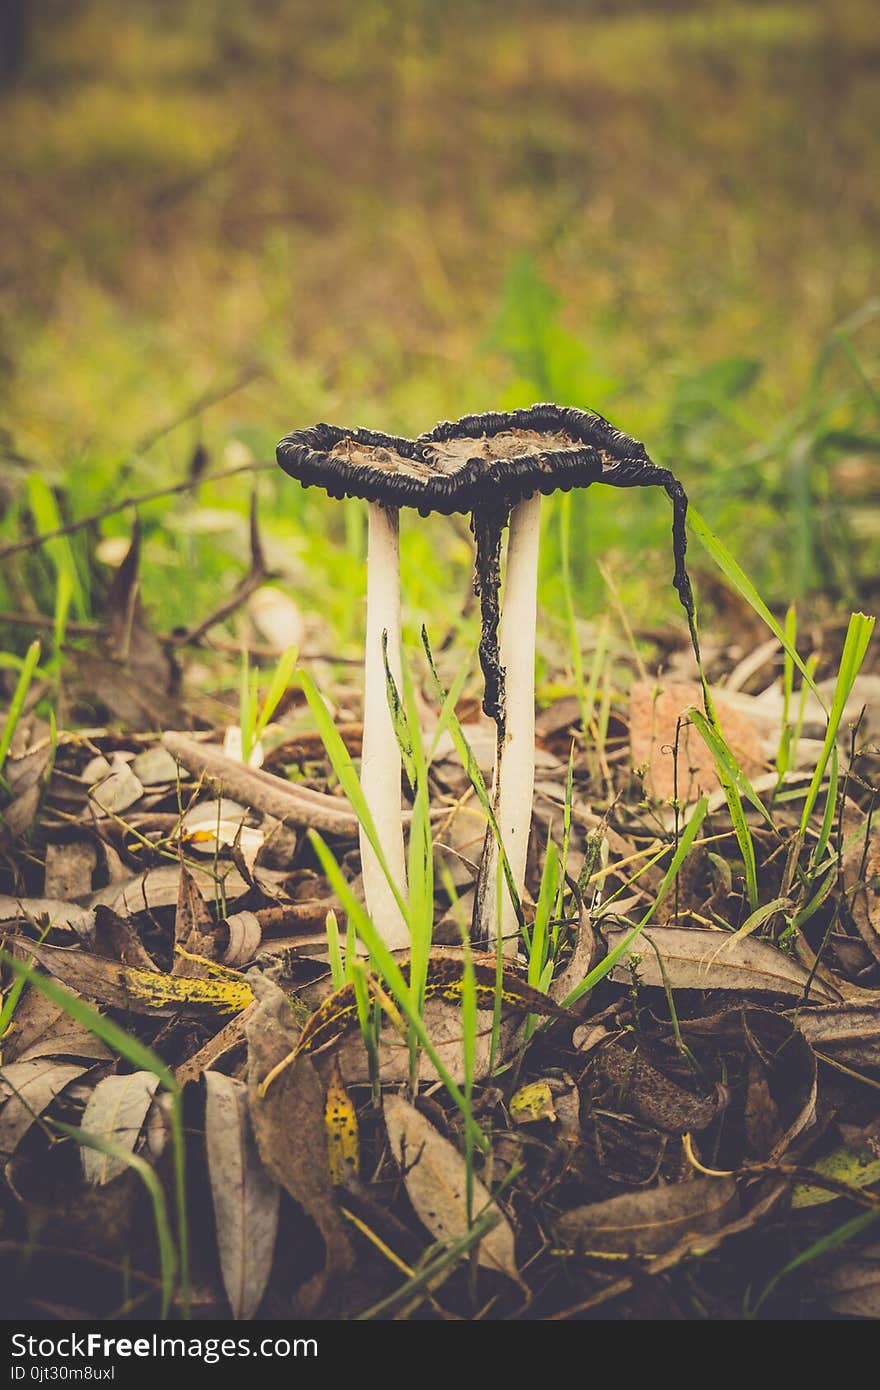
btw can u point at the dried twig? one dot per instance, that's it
(137, 500)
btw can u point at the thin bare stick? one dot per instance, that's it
(138, 500)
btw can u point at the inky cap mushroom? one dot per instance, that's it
(496, 467)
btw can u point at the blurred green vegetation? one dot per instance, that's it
(394, 211)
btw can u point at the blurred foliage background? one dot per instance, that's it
(224, 221)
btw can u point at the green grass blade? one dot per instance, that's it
(334, 951)
(281, 678)
(340, 760)
(19, 695)
(449, 719)
(746, 589)
(391, 974)
(399, 720)
(728, 773)
(858, 636)
(44, 509)
(831, 1241)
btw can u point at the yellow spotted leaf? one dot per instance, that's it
(340, 1120)
(141, 991)
(857, 1167)
(531, 1103)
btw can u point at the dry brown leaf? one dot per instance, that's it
(852, 1290)
(52, 910)
(708, 1241)
(289, 1127)
(580, 962)
(443, 1024)
(160, 887)
(652, 1222)
(654, 710)
(246, 1198)
(651, 1095)
(116, 937)
(693, 959)
(117, 792)
(20, 814)
(861, 868)
(41, 1029)
(116, 1110)
(847, 1033)
(193, 930)
(28, 1089)
(435, 1177)
(69, 869)
(788, 1066)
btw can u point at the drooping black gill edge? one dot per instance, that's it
(489, 488)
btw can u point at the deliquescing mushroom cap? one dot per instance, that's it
(495, 458)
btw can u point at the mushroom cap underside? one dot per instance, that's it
(462, 465)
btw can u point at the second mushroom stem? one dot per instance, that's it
(380, 757)
(514, 783)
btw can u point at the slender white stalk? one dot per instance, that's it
(380, 757)
(515, 762)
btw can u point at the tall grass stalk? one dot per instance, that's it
(19, 695)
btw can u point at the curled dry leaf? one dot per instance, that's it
(652, 1222)
(435, 1177)
(117, 937)
(693, 959)
(788, 1071)
(26, 1090)
(116, 1110)
(245, 936)
(193, 930)
(288, 1124)
(780, 1101)
(847, 1033)
(246, 1197)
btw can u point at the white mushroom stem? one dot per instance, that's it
(515, 759)
(380, 757)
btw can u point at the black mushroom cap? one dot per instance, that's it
(485, 465)
(493, 459)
